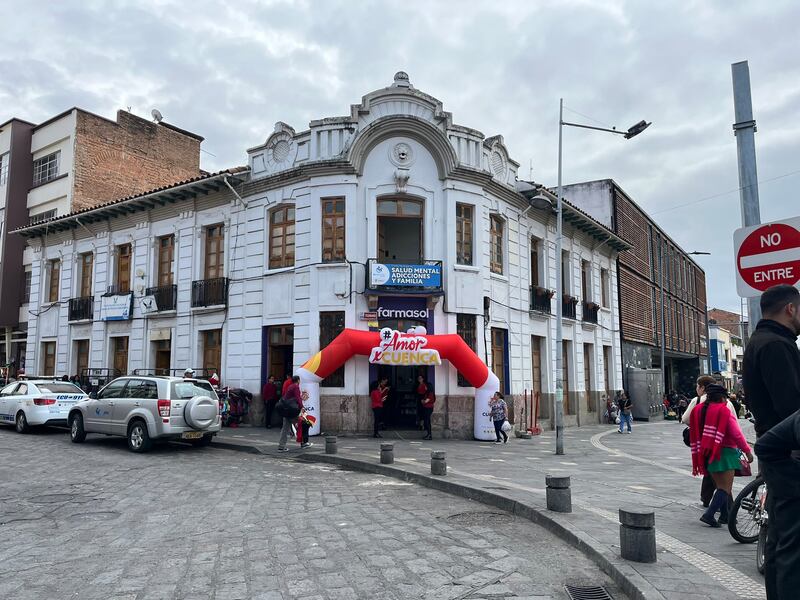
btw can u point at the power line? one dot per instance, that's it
(658, 212)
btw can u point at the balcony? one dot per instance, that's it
(81, 309)
(166, 296)
(210, 292)
(590, 311)
(568, 306)
(540, 299)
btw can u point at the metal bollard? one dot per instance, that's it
(438, 462)
(387, 453)
(559, 495)
(637, 535)
(330, 444)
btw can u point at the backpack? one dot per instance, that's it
(288, 408)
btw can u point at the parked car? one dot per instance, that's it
(25, 404)
(144, 409)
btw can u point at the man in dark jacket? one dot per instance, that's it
(771, 366)
(782, 473)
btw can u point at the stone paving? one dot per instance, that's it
(649, 468)
(94, 521)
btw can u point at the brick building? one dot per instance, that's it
(70, 162)
(640, 288)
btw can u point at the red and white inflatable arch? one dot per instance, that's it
(393, 347)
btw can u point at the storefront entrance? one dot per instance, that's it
(278, 351)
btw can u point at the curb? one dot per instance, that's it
(625, 576)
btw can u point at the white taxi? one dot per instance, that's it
(38, 402)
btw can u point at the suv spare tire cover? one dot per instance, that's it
(200, 412)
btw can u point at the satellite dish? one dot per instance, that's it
(157, 116)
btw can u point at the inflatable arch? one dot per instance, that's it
(411, 346)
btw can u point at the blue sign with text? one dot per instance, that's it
(420, 276)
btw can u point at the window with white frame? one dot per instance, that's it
(46, 168)
(4, 168)
(42, 216)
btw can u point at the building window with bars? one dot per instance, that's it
(464, 220)
(46, 168)
(54, 268)
(331, 324)
(496, 232)
(466, 327)
(333, 232)
(281, 237)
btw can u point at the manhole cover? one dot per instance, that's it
(95, 516)
(480, 518)
(51, 498)
(592, 592)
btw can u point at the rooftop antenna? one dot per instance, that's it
(157, 116)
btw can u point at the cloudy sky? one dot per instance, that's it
(229, 70)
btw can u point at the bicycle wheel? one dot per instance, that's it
(761, 549)
(742, 523)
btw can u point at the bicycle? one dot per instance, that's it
(748, 521)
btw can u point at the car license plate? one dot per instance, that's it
(192, 435)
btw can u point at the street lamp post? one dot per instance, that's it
(559, 410)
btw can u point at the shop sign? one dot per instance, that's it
(402, 313)
(116, 307)
(148, 305)
(369, 316)
(403, 349)
(398, 276)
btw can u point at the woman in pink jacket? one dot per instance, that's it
(716, 440)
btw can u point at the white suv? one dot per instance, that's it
(144, 409)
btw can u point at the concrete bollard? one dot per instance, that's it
(330, 444)
(438, 462)
(637, 535)
(559, 495)
(387, 453)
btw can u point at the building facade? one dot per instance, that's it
(391, 216)
(727, 350)
(67, 163)
(656, 277)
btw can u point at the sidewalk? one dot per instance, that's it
(650, 468)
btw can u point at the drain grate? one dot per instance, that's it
(594, 592)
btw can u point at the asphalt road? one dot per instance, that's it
(95, 521)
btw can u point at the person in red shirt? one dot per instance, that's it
(286, 383)
(427, 410)
(376, 397)
(269, 393)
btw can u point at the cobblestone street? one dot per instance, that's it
(95, 522)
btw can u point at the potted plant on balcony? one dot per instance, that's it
(541, 292)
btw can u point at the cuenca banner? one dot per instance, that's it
(398, 349)
(116, 307)
(423, 276)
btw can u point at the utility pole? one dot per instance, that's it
(744, 129)
(559, 407)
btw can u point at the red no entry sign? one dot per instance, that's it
(767, 255)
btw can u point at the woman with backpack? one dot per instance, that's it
(289, 407)
(716, 440)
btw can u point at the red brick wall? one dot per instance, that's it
(640, 293)
(133, 155)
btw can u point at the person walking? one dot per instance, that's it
(422, 392)
(427, 410)
(716, 439)
(376, 399)
(269, 393)
(782, 475)
(625, 411)
(290, 405)
(707, 487)
(499, 413)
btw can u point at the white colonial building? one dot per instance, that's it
(389, 216)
